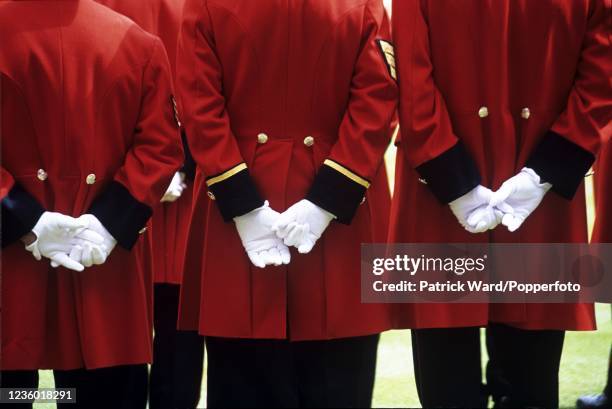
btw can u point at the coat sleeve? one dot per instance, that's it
(20, 210)
(568, 150)
(125, 206)
(427, 136)
(213, 145)
(364, 133)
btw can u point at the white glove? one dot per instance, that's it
(520, 195)
(87, 254)
(175, 190)
(302, 225)
(258, 239)
(56, 237)
(474, 212)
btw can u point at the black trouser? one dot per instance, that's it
(178, 356)
(608, 389)
(523, 368)
(120, 387)
(275, 373)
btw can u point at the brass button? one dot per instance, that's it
(483, 112)
(41, 175)
(525, 113)
(211, 195)
(309, 141)
(143, 230)
(262, 138)
(91, 179)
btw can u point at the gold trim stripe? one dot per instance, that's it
(339, 168)
(226, 175)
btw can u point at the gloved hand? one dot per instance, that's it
(474, 211)
(56, 237)
(87, 254)
(259, 241)
(302, 225)
(175, 190)
(521, 194)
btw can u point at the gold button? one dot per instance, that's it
(262, 138)
(91, 179)
(309, 141)
(525, 113)
(483, 112)
(41, 175)
(143, 230)
(211, 195)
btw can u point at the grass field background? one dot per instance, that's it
(583, 366)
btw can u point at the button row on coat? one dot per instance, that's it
(483, 112)
(262, 138)
(42, 175)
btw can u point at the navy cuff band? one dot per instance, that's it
(20, 213)
(236, 195)
(451, 174)
(561, 163)
(121, 214)
(336, 193)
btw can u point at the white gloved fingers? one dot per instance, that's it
(268, 257)
(505, 208)
(515, 223)
(76, 253)
(86, 257)
(88, 235)
(62, 259)
(296, 235)
(476, 216)
(286, 230)
(67, 224)
(98, 255)
(33, 248)
(284, 252)
(504, 192)
(274, 257)
(281, 225)
(307, 244)
(256, 259)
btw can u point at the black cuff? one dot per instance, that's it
(561, 163)
(20, 213)
(451, 174)
(189, 166)
(236, 196)
(121, 214)
(337, 194)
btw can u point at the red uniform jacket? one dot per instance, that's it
(488, 87)
(170, 222)
(286, 100)
(87, 127)
(603, 196)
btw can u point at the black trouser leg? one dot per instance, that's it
(271, 373)
(250, 373)
(447, 367)
(18, 380)
(337, 373)
(119, 387)
(188, 369)
(178, 356)
(527, 362)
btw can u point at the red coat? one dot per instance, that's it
(488, 87)
(170, 222)
(603, 196)
(87, 127)
(286, 100)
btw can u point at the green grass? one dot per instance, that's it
(583, 366)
